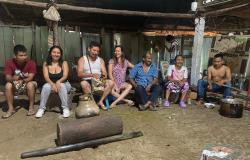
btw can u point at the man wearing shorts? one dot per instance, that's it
(19, 74)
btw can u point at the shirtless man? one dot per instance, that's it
(219, 76)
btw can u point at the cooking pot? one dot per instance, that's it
(232, 108)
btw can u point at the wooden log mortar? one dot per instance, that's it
(88, 129)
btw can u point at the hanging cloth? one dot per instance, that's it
(52, 14)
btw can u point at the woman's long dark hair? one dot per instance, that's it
(49, 58)
(122, 56)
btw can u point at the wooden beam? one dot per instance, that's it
(224, 10)
(7, 11)
(100, 10)
(227, 29)
(176, 33)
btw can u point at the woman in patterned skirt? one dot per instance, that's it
(177, 81)
(117, 68)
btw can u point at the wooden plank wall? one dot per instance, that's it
(10, 36)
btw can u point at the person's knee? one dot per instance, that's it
(85, 85)
(86, 88)
(129, 86)
(63, 88)
(110, 83)
(186, 85)
(139, 87)
(157, 88)
(168, 88)
(8, 86)
(46, 87)
(200, 82)
(228, 84)
(30, 86)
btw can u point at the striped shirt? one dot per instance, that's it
(142, 78)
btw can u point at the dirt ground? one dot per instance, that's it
(169, 134)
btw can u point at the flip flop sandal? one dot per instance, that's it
(31, 112)
(114, 106)
(8, 115)
(152, 108)
(103, 107)
(142, 107)
(131, 103)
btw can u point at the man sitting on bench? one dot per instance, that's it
(219, 79)
(19, 74)
(144, 78)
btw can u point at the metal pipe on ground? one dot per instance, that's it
(77, 146)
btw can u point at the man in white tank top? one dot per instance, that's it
(92, 66)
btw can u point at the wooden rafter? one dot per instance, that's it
(224, 10)
(7, 10)
(100, 10)
(176, 33)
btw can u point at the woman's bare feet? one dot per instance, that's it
(148, 104)
(8, 114)
(199, 103)
(31, 111)
(113, 105)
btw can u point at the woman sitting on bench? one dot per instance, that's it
(117, 72)
(177, 81)
(55, 72)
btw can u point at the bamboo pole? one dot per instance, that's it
(99, 10)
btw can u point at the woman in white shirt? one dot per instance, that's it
(177, 81)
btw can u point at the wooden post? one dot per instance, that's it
(197, 50)
(33, 48)
(247, 72)
(55, 33)
(248, 94)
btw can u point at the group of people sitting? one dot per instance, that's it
(143, 77)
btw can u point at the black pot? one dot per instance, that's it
(232, 108)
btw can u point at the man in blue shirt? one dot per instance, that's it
(144, 78)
